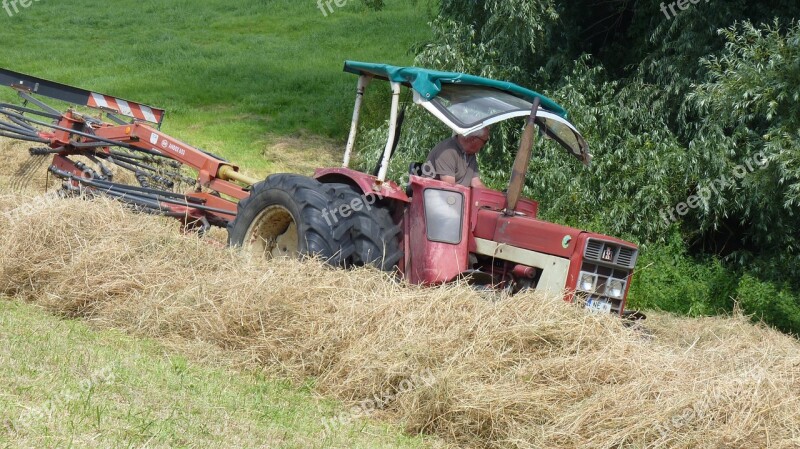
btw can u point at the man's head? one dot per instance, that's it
(472, 143)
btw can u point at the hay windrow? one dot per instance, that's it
(524, 372)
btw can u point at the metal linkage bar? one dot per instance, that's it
(45, 107)
(177, 196)
(162, 159)
(23, 124)
(44, 151)
(133, 162)
(117, 120)
(143, 175)
(67, 130)
(5, 126)
(174, 175)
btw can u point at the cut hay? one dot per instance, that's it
(21, 172)
(524, 372)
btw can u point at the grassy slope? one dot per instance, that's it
(110, 390)
(235, 77)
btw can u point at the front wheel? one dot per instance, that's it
(289, 216)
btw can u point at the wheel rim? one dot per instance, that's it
(273, 234)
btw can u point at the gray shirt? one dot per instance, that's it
(449, 159)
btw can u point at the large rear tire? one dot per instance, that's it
(375, 236)
(290, 216)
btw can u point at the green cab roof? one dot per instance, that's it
(428, 83)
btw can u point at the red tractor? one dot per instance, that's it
(430, 232)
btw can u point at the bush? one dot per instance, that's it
(770, 303)
(671, 280)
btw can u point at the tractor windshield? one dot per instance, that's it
(466, 109)
(469, 106)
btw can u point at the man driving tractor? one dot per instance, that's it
(454, 160)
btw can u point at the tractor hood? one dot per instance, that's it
(468, 103)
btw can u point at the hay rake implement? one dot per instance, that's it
(103, 139)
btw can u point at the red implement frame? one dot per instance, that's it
(213, 173)
(218, 186)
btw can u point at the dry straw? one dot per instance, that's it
(524, 372)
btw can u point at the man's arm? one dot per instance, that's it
(448, 179)
(476, 176)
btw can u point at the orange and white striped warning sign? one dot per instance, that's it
(126, 108)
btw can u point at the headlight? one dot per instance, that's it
(587, 282)
(616, 289)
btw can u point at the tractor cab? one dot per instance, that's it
(492, 238)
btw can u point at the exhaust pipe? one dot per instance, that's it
(522, 161)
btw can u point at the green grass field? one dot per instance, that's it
(67, 385)
(235, 77)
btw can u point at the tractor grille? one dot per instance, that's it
(600, 290)
(607, 266)
(626, 257)
(594, 248)
(611, 254)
